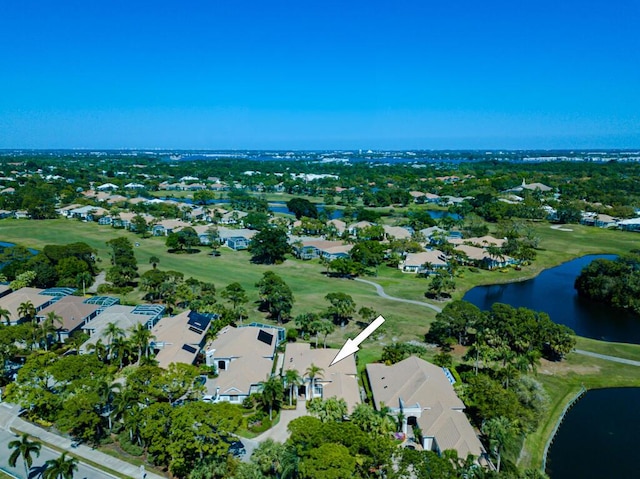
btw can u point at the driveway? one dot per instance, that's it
(279, 432)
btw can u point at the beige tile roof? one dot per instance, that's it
(339, 225)
(174, 333)
(251, 359)
(121, 315)
(241, 342)
(339, 380)
(415, 382)
(72, 310)
(13, 300)
(435, 257)
(398, 232)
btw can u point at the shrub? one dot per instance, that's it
(127, 446)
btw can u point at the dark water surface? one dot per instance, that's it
(598, 437)
(552, 291)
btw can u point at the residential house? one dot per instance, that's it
(179, 339)
(243, 358)
(125, 317)
(39, 298)
(232, 217)
(238, 243)
(107, 186)
(339, 225)
(360, 225)
(329, 250)
(632, 224)
(415, 262)
(396, 232)
(166, 227)
(73, 313)
(339, 380)
(422, 393)
(482, 258)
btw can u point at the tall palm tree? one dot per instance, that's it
(61, 468)
(82, 279)
(271, 395)
(6, 315)
(292, 379)
(100, 350)
(312, 372)
(49, 326)
(107, 393)
(141, 338)
(24, 448)
(112, 332)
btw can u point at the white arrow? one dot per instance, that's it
(351, 346)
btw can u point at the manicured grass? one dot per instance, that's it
(5, 476)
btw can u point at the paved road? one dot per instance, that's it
(9, 420)
(615, 359)
(382, 294)
(84, 471)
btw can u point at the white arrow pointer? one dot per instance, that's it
(351, 346)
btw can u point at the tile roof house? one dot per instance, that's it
(424, 394)
(73, 312)
(125, 317)
(243, 358)
(38, 297)
(331, 250)
(339, 380)
(180, 338)
(414, 262)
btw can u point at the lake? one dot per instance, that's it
(552, 291)
(598, 437)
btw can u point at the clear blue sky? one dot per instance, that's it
(319, 74)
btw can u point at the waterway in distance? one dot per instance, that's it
(552, 291)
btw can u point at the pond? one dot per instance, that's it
(552, 291)
(598, 437)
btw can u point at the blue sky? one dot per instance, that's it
(319, 74)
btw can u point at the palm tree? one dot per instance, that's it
(107, 393)
(141, 338)
(292, 379)
(112, 331)
(6, 315)
(27, 310)
(326, 328)
(271, 395)
(498, 430)
(100, 350)
(82, 279)
(50, 325)
(24, 448)
(312, 372)
(61, 468)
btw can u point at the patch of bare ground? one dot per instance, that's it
(554, 368)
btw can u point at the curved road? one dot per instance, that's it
(615, 359)
(382, 294)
